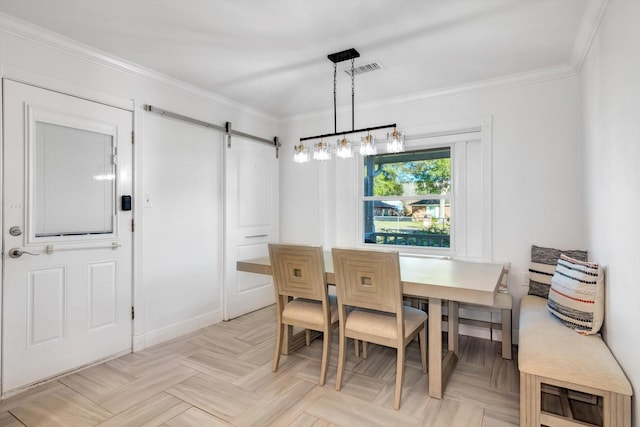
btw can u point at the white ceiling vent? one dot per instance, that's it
(364, 68)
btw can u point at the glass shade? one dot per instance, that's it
(300, 154)
(344, 148)
(321, 151)
(368, 147)
(395, 142)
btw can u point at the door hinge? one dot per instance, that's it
(133, 137)
(133, 313)
(133, 226)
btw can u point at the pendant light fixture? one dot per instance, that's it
(395, 141)
(300, 154)
(345, 148)
(368, 147)
(321, 151)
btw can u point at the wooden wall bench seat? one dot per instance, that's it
(550, 353)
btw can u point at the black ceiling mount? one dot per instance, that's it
(345, 55)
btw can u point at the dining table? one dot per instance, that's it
(434, 280)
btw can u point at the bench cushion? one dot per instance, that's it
(549, 349)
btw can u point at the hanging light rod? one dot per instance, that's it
(344, 148)
(345, 55)
(348, 132)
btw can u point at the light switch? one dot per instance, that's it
(147, 200)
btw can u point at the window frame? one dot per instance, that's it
(476, 246)
(448, 196)
(35, 115)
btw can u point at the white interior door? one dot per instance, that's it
(67, 253)
(251, 222)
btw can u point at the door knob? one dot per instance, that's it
(17, 253)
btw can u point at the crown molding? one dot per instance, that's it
(497, 83)
(49, 39)
(586, 33)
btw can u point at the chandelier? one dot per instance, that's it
(345, 148)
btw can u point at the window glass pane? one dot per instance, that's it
(419, 222)
(394, 213)
(74, 181)
(408, 174)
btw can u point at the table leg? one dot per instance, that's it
(440, 369)
(435, 347)
(452, 328)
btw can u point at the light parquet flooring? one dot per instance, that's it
(222, 376)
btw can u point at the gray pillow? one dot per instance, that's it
(543, 265)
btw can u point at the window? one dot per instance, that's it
(407, 198)
(74, 181)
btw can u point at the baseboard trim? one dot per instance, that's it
(176, 330)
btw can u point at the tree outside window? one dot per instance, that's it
(407, 199)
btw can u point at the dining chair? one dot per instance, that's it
(369, 282)
(301, 296)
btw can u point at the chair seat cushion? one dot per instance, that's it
(307, 310)
(384, 324)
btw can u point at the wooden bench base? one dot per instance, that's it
(616, 408)
(554, 355)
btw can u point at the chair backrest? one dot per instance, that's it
(298, 271)
(368, 279)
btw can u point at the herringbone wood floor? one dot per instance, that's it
(222, 375)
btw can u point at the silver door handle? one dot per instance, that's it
(17, 253)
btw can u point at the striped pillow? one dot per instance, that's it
(543, 265)
(577, 295)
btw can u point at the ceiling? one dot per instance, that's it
(272, 54)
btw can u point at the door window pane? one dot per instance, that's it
(74, 181)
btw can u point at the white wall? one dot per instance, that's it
(611, 85)
(181, 226)
(174, 292)
(537, 168)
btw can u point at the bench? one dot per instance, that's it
(502, 305)
(550, 354)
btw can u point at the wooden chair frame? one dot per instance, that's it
(300, 286)
(369, 281)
